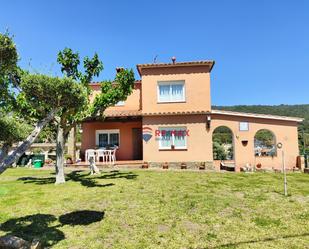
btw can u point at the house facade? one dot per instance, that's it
(168, 118)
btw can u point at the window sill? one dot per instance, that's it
(171, 102)
(173, 149)
(266, 156)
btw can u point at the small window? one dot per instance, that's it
(107, 138)
(171, 91)
(173, 136)
(120, 103)
(243, 126)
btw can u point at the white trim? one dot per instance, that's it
(97, 132)
(254, 115)
(173, 137)
(243, 126)
(172, 82)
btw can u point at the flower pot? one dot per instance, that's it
(145, 165)
(183, 166)
(202, 166)
(165, 165)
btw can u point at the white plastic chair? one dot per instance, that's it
(100, 154)
(113, 155)
(90, 153)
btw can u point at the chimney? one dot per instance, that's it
(174, 59)
(118, 69)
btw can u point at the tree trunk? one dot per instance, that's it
(60, 155)
(4, 151)
(22, 148)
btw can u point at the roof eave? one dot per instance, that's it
(256, 115)
(180, 64)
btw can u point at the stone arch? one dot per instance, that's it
(223, 143)
(265, 143)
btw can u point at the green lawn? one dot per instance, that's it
(156, 209)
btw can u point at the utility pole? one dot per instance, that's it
(280, 146)
(284, 173)
(304, 150)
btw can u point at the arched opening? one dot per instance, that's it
(265, 143)
(222, 143)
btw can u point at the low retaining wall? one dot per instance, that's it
(183, 165)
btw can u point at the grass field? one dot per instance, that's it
(156, 209)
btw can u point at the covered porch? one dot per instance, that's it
(118, 129)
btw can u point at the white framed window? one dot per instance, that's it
(120, 103)
(106, 138)
(173, 136)
(171, 91)
(243, 126)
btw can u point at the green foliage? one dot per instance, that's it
(70, 61)
(41, 93)
(48, 135)
(266, 138)
(223, 135)
(222, 138)
(8, 69)
(219, 152)
(12, 129)
(113, 92)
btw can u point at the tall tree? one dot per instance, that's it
(111, 93)
(39, 99)
(13, 128)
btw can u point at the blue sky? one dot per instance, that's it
(261, 47)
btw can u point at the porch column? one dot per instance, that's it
(72, 144)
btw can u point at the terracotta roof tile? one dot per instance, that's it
(122, 113)
(98, 83)
(174, 113)
(176, 64)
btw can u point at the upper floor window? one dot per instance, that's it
(171, 91)
(120, 103)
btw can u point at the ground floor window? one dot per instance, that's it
(172, 137)
(107, 138)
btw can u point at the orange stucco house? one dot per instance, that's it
(168, 118)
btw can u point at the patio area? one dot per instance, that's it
(120, 163)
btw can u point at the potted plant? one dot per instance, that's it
(259, 165)
(145, 165)
(68, 159)
(202, 166)
(165, 165)
(183, 165)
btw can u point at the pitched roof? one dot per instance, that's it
(256, 115)
(99, 83)
(174, 113)
(209, 63)
(122, 113)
